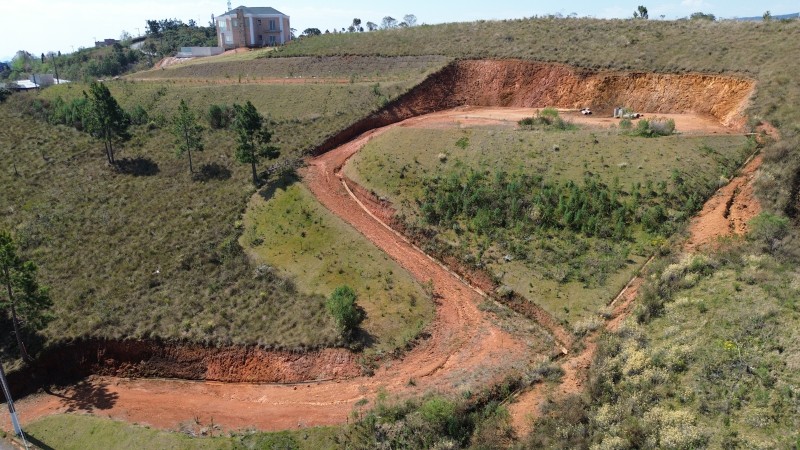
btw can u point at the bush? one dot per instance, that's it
(219, 117)
(653, 128)
(138, 115)
(769, 229)
(346, 313)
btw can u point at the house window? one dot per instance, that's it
(272, 40)
(272, 25)
(228, 38)
(223, 24)
(235, 22)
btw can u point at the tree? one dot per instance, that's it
(410, 19)
(767, 16)
(188, 133)
(107, 120)
(640, 13)
(346, 313)
(312, 32)
(703, 16)
(27, 302)
(389, 22)
(252, 136)
(153, 27)
(356, 26)
(372, 26)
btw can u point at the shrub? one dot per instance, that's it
(219, 116)
(346, 313)
(139, 115)
(769, 229)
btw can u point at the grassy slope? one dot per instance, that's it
(100, 236)
(721, 365)
(396, 164)
(70, 431)
(319, 251)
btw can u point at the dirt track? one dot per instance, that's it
(465, 349)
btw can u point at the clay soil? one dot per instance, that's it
(465, 349)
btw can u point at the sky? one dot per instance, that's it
(41, 26)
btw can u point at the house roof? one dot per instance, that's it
(256, 11)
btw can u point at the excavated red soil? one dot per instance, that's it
(728, 211)
(527, 84)
(465, 349)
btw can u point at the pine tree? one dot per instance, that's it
(107, 120)
(188, 133)
(27, 302)
(253, 137)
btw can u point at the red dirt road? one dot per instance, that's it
(465, 349)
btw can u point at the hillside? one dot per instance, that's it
(699, 349)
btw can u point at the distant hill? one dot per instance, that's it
(761, 18)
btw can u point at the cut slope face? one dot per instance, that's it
(515, 83)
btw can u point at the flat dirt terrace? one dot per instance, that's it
(465, 347)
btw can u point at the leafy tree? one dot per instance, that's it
(703, 16)
(346, 313)
(372, 26)
(312, 32)
(640, 13)
(767, 16)
(153, 27)
(252, 136)
(188, 133)
(27, 302)
(107, 120)
(410, 19)
(389, 22)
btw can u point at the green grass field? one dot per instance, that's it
(79, 432)
(292, 232)
(397, 165)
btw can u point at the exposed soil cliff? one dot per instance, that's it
(189, 362)
(515, 83)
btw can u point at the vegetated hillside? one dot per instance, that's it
(149, 251)
(505, 200)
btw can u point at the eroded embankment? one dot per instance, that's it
(152, 359)
(516, 83)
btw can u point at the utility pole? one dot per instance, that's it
(55, 66)
(12, 412)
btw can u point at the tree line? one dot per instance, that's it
(358, 26)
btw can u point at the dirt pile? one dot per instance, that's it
(516, 83)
